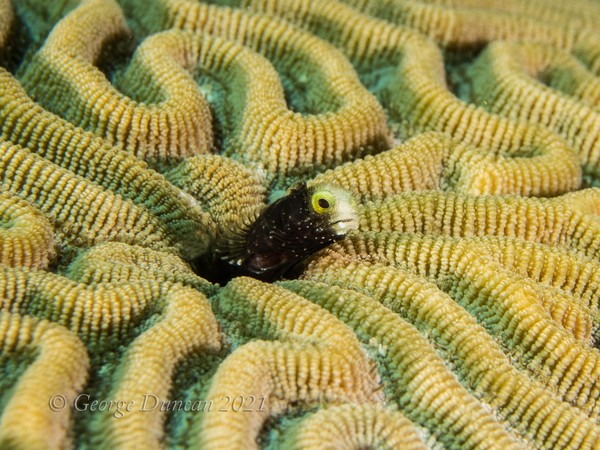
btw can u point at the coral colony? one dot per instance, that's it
(299, 224)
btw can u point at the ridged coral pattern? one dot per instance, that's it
(137, 136)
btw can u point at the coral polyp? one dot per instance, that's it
(299, 224)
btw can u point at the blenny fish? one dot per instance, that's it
(307, 219)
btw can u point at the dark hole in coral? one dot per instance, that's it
(220, 272)
(213, 269)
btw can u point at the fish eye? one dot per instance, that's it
(322, 202)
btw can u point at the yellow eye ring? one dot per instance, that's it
(323, 202)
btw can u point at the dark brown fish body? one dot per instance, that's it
(289, 230)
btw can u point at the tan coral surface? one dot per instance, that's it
(137, 136)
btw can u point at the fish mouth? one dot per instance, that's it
(342, 226)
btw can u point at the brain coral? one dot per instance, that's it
(138, 135)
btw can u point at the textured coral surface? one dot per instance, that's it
(137, 135)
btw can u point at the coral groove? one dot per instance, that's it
(138, 139)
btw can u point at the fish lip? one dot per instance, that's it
(344, 221)
(343, 229)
